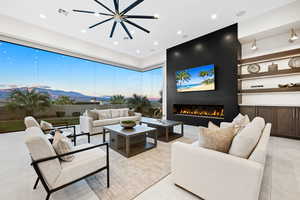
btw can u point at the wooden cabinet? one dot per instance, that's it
(285, 120)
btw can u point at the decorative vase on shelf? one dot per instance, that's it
(253, 68)
(294, 62)
(273, 68)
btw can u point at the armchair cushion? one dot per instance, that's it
(84, 163)
(40, 147)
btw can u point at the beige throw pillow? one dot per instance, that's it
(62, 145)
(46, 126)
(92, 114)
(218, 139)
(104, 114)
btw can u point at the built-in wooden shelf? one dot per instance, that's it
(271, 57)
(277, 73)
(263, 90)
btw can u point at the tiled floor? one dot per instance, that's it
(17, 177)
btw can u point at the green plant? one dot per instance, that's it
(60, 114)
(139, 103)
(28, 101)
(182, 76)
(76, 114)
(128, 122)
(64, 100)
(117, 99)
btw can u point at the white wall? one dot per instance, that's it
(265, 46)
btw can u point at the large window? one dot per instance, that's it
(82, 81)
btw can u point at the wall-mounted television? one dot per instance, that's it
(201, 78)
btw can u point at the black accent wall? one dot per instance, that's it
(220, 48)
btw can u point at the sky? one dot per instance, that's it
(194, 72)
(23, 66)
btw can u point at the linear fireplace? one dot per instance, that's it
(204, 111)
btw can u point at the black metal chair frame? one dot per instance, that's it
(74, 136)
(50, 191)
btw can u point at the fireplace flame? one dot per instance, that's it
(204, 113)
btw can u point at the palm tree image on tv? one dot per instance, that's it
(182, 76)
(196, 79)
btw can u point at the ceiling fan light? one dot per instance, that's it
(293, 36)
(253, 45)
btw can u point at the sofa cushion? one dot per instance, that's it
(218, 139)
(212, 125)
(40, 147)
(245, 141)
(124, 112)
(92, 114)
(105, 122)
(84, 163)
(46, 126)
(241, 120)
(115, 113)
(104, 114)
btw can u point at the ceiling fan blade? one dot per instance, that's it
(116, 3)
(104, 6)
(113, 29)
(84, 11)
(101, 22)
(131, 6)
(139, 17)
(105, 14)
(134, 24)
(125, 28)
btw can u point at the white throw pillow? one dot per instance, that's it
(62, 145)
(246, 140)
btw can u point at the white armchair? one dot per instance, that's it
(214, 175)
(54, 174)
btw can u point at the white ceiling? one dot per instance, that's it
(193, 17)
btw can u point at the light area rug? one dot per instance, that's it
(131, 176)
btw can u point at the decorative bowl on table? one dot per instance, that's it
(127, 124)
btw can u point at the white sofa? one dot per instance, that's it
(106, 117)
(213, 175)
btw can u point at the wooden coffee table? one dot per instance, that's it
(165, 128)
(130, 142)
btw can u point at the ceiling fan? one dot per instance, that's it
(119, 17)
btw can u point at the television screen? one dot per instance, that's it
(196, 79)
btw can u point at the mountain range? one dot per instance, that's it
(4, 94)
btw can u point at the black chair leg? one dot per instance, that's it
(89, 138)
(36, 183)
(74, 140)
(107, 171)
(48, 196)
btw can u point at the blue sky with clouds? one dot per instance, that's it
(23, 66)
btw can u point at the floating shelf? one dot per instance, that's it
(277, 73)
(270, 57)
(292, 89)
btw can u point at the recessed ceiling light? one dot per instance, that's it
(97, 14)
(83, 31)
(241, 13)
(138, 51)
(156, 16)
(155, 43)
(179, 32)
(213, 16)
(116, 42)
(43, 16)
